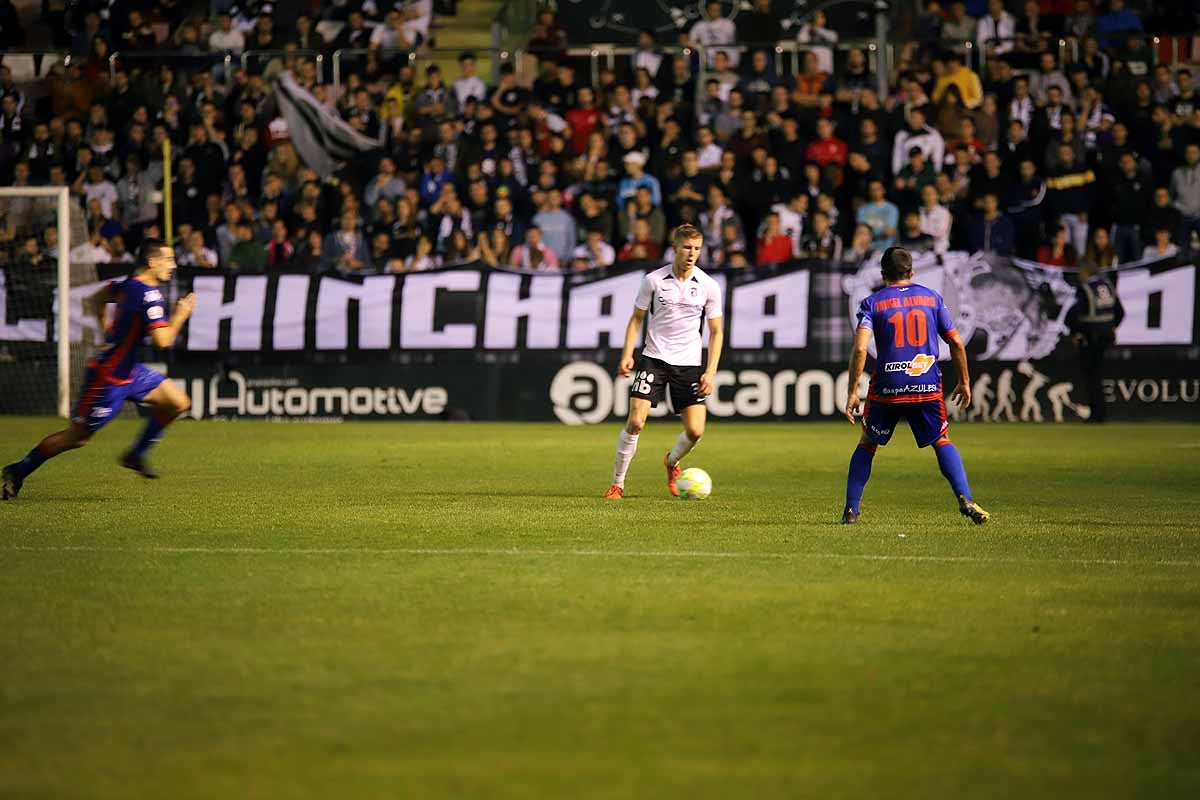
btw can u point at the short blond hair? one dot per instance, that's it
(685, 233)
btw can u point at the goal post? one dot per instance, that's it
(60, 306)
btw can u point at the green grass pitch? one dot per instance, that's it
(438, 610)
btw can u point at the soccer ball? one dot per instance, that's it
(694, 484)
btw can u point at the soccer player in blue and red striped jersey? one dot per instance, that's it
(115, 375)
(906, 320)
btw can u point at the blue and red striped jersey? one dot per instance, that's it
(139, 310)
(907, 320)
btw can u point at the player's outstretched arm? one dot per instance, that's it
(164, 337)
(632, 331)
(858, 362)
(958, 354)
(94, 304)
(716, 341)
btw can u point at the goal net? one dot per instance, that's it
(44, 255)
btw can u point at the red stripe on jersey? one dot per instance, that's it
(907, 398)
(89, 397)
(110, 362)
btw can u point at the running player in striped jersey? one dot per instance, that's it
(674, 302)
(115, 375)
(906, 320)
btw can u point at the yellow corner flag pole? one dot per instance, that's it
(168, 229)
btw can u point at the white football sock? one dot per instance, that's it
(626, 447)
(683, 446)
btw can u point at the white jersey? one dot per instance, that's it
(675, 314)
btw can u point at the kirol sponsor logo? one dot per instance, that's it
(919, 365)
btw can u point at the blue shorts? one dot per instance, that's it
(101, 401)
(927, 419)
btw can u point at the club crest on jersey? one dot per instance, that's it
(919, 365)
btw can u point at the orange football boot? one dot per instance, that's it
(672, 475)
(614, 493)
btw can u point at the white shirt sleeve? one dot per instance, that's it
(645, 292)
(713, 307)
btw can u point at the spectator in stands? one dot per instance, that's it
(643, 208)
(98, 187)
(247, 255)
(280, 250)
(991, 231)
(1185, 193)
(345, 250)
(957, 74)
(826, 148)
(816, 32)
(713, 30)
(636, 177)
(534, 254)
(495, 249)
(557, 226)
(386, 183)
(1069, 195)
(911, 237)
(912, 180)
(860, 248)
(1163, 215)
(819, 240)
(641, 246)
(1080, 22)
(1099, 254)
(135, 197)
(958, 27)
(988, 177)
(996, 30)
(774, 246)
(197, 255)
(468, 84)
(1131, 197)
(918, 134)
(458, 249)
(852, 79)
(1162, 247)
(91, 251)
(1058, 252)
(1118, 20)
(934, 219)
(594, 253)
(880, 215)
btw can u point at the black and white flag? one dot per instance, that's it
(323, 140)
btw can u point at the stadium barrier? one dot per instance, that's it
(493, 344)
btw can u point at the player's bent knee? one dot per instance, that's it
(634, 426)
(183, 405)
(694, 433)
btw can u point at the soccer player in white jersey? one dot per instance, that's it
(674, 302)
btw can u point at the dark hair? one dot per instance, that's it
(896, 264)
(149, 249)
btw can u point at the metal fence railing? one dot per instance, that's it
(222, 62)
(33, 65)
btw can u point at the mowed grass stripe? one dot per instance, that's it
(541, 553)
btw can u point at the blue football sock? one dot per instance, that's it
(29, 463)
(151, 433)
(860, 472)
(952, 467)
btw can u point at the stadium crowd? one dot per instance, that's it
(1084, 152)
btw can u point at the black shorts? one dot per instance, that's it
(652, 378)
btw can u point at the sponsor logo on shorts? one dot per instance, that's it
(154, 312)
(918, 366)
